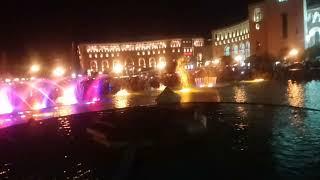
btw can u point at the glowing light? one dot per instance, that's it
(121, 98)
(293, 52)
(216, 61)
(8, 80)
(118, 68)
(254, 81)
(73, 75)
(161, 65)
(238, 58)
(277, 63)
(35, 68)
(122, 92)
(162, 87)
(185, 90)
(69, 97)
(58, 72)
(38, 106)
(207, 63)
(204, 82)
(5, 105)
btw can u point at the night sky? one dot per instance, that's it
(46, 29)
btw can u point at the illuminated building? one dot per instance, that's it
(273, 27)
(313, 26)
(134, 57)
(232, 40)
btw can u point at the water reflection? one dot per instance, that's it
(295, 143)
(295, 94)
(121, 101)
(240, 94)
(64, 127)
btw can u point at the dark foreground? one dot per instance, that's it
(189, 141)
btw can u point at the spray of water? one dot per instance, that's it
(183, 73)
(5, 105)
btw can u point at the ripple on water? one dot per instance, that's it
(295, 145)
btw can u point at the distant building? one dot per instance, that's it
(232, 41)
(313, 26)
(273, 27)
(134, 57)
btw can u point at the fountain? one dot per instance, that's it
(5, 104)
(183, 73)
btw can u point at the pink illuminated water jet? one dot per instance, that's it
(5, 104)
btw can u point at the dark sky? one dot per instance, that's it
(48, 27)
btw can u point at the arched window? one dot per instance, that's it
(142, 62)
(247, 51)
(227, 51)
(94, 66)
(115, 62)
(105, 65)
(152, 62)
(257, 15)
(129, 63)
(242, 49)
(235, 50)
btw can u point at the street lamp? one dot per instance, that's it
(58, 72)
(293, 52)
(118, 68)
(35, 68)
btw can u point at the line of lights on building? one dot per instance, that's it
(139, 46)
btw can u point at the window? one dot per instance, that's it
(94, 66)
(227, 51)
(284, 25)
(142, 62)
(247, 53)
(235, 50)
(105, 65)
(257, 17)
(317, 38)
(242, 49)
(257, 26)
(152, 62)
